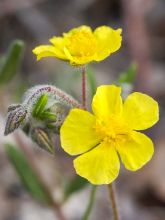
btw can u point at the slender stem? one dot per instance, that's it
(90, 204)
(84, 87)
(93, 190)
(112, 196)
(31, 159)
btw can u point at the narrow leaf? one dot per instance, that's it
(128, 76)
(40, 105)
(2, 61)
(75, 185)
(28, 177)
(49, 116)
(11, 62)
(92, 81)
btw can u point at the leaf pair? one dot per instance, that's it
(40, 112)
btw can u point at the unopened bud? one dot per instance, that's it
(42, 138)
(15, 118)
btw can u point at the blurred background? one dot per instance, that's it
(141, 195)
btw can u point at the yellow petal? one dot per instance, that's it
(76, 60)
(57, 42)
(140, 111)
(107, 101)
(80, 61)
(68, 55)
(79, 45)
(108, 40)
(77, 132)
(136, 152)
(78, 29)
(100, 165)
(48, 51)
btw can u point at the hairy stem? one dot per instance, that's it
(90, 204)
(112, 196)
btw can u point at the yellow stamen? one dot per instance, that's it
(81, 43)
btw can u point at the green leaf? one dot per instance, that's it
(90, 203)
(40, 106)
(128, 76)
(47, 115)
(92, 81)
(28, 177)
(2, 61)
(11, 62)
(75, 185)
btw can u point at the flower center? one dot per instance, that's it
(81, 44)
(113, 130)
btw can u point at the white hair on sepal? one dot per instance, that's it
(20, 114)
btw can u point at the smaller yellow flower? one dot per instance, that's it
(82, 45)
(112, 130)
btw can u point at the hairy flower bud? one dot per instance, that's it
(15, 118)
(43, 139)
(41, 114)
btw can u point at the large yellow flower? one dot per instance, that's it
(82, 45)
(112, 130)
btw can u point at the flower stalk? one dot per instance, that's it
(113, 199)
(84, 87)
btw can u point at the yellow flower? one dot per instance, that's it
(80, 45)
(112, 130)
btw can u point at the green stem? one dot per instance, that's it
(90, 204)
(112, 196)
(84, 87)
